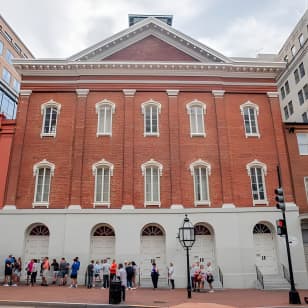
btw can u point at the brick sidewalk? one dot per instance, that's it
(248, 298)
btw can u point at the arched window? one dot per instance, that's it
(151, 111)
(257, 172)
(196, 111)
(261, 228)
(250, 112)
(50, 112)
(43, 171)
(152, 171)
(200, 229)
(39, 230)
(103, 230)
(200, 170)
(104, 109)
(152, 230)
(102, 171)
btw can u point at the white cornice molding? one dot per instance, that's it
(129, 92)
(272, 94)
(172, 92)
(218, 93)
(25, 92)
(82, 92)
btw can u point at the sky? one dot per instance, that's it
(235, 28)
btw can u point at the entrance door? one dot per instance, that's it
(265, 250)
(152, 250)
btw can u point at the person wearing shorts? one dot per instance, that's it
(74, 273)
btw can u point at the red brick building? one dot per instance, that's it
(7, 129)
(115, 144)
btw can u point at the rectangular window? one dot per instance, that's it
(301, 39)
(196, 121)
(42, 185)
(16, 85)
(287, 87)
(291, 109)
(302, 70)
(1, 47)
(105, 120)
(151, 120)
(293, 50)
(50, 121)
(306, 91)
(17, 48)
(257, 184)
(152, 191)
(8, 56)
(6, 76)
(300, 97)
(305, 117)
(302, 141)
(283, 94)
(7, 106)
(286, 59)
(296, 76)
(102, 188)
(201, 186)
(286, 112)
(250, 121)
(8, 37)
(306, 186)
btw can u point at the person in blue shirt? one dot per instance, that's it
(74, 272)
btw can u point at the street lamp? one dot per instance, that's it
(187, 239)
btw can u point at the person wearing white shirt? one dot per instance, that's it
(171, 274)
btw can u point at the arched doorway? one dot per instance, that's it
(37, 243)
(203, 250)
(102, 243)
(265, 249)
(153, 248)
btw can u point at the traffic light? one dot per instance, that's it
(281, 227)
(280, 199)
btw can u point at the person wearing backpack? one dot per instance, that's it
(129, 275)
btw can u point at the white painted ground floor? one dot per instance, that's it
(236, 240)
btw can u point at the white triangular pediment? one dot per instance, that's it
(150, 27)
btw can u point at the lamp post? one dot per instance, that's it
(187, 239)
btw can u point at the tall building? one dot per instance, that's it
(11, 46)
(293, 81)
(132, 133)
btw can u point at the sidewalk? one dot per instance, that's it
(64, 296)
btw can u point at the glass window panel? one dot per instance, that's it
(1, 47)
(99, 180)
(302, 70)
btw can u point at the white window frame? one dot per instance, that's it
(263, 167)
(102, 164)
(300, 145)
(193, 117)
(201, 164)
(157, 105)
(306, 186)
(152, 164)
(42, 164)
(101, 107)
(251, 105)
(6, 75)
(50, 104)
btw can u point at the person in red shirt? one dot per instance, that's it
(113, 269)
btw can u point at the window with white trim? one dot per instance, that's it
(250, 112)
(257, 172)
(200, 170)
(50, 112)
(104, 109)
(102, 170)
(302, 141)
(152, 171)
(196, 111)
(306, 186)
(6, 76)
(43, 171)
(151, 111)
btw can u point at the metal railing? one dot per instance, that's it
(220, 276)
(260, 277)
(286, 274)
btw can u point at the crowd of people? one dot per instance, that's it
(200, 274)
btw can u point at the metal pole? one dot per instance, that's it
(293, 294)
(188, 274)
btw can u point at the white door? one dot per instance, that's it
(265, 249)
(306, 253)
(102, 247)
(153, 249)
(203, 250)
(36, 247)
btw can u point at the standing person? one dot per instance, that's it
(192, 277)
(196, 272)
(97, 270)
(106, 273)
(17, 271)
(134, 265)
(34, 269)
(171, 275)
(29, 270)
(63, 267)
(209, 276)
(203, 276)
(113, 270)
(123, 278)
(8, 271)
(90, 274)
(55, 271)
(129, 275)
(74, 272)
(154, 275)
(45, 270)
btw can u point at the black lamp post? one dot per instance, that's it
(187, 239)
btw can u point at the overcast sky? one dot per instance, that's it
(61, 28)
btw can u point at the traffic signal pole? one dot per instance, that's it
(293, 294)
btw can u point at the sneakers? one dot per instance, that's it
(211, 291)
(6, 285)
(71, 286)
(14, 285)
